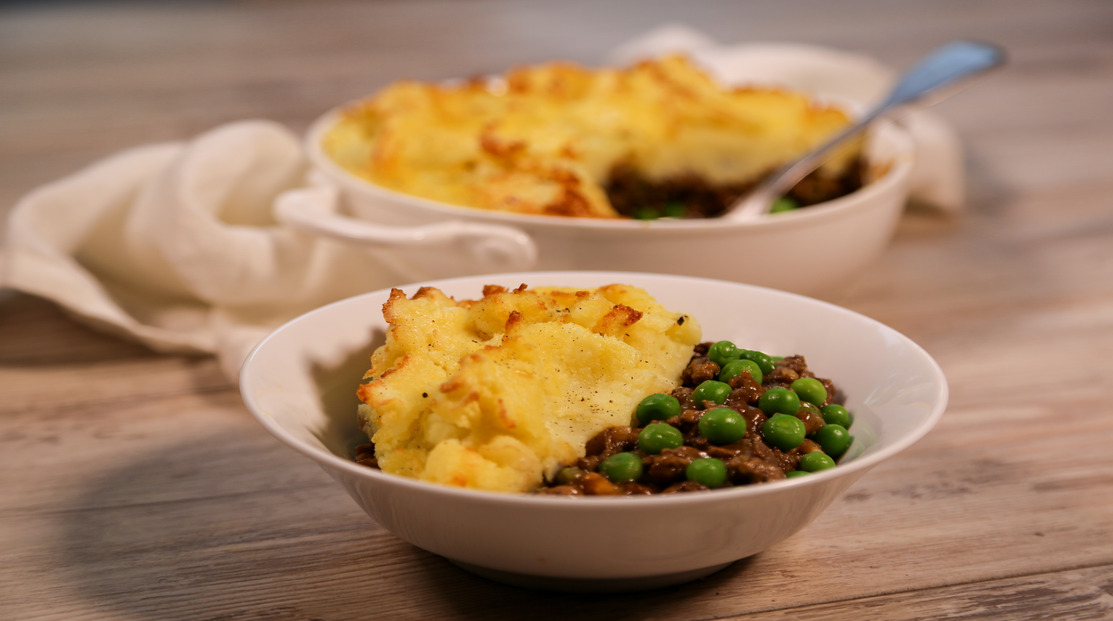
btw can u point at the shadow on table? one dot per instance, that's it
(220, 527)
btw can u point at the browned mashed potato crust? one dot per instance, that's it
(497, 393)
(561, 139)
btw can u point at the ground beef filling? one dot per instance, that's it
(690, 196)
(748, 461)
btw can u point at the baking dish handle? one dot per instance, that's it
(494, 248)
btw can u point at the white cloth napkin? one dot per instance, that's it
(177, 246)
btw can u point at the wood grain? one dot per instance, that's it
(136, 485)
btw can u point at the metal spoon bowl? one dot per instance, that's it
(943, 67)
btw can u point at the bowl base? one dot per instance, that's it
(589, 585)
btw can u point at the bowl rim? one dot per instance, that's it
(899, 169)
(328, 459)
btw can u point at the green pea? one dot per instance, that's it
(657, 437)
(796, 473)
(722, 352)
(765, 361)
(784, 204)
(734, 368)
(814, 462)
(711, 390)
(567, 475)
(657, 406)
(810, 407)
(675, 210)
(722, 425)
(834, 439)
(784, 431)
(645, 213)
(835, 414)
(810, 389)
(779, 401)
(621, 467)
(707, 471)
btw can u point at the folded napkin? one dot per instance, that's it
(177, 245)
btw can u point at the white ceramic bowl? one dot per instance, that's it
(811, 251)
(300, 383)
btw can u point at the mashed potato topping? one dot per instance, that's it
(547, 138)
(497, 393)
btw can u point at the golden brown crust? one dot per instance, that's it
(496, 392)
(617, 319)
(546, 138)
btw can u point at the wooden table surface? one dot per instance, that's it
(137, 486)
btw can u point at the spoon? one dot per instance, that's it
(944, 66)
